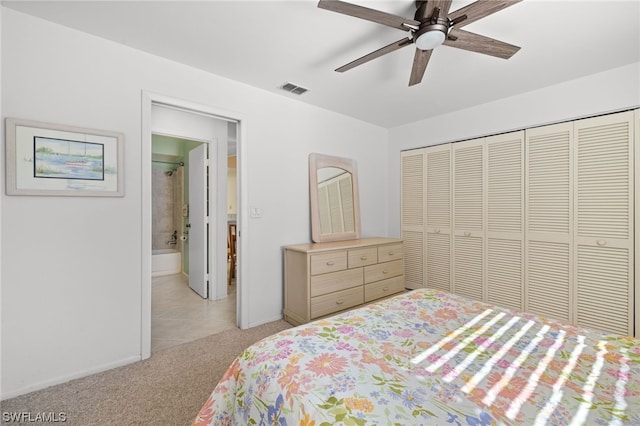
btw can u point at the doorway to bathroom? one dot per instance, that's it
(179, 311)
(179, 210)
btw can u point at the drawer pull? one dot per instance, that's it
(384, 271)
(363, 257)
(385, 288)
(330, 263)
(602, 242)
(437, 231)
(391, 253)
(339, 302)
(467, 234)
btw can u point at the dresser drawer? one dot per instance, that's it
(383, 288)
(334, 302)
(335, 281)
(382, 271)
(363, 257)
(328, 262)
(390, 252)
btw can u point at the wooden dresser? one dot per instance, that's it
(321, 279)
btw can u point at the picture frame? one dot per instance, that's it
(48, 159)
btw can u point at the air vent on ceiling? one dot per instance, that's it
(295, 89)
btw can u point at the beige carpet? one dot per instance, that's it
(167, 389)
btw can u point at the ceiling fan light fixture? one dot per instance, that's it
(430, 39)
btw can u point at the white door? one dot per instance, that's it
(198, 230)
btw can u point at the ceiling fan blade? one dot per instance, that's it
(473, 42)
(420, 61)
(425, 10)
(368, 14)
(376, 54)
(480, 9)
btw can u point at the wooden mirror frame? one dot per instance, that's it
(319, 161)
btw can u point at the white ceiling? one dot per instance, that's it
(267, 43)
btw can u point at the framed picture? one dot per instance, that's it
(52, 159)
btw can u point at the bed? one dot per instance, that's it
(433, 358)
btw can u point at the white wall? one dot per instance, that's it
(1, 162)
(609, 91)
(71, 267)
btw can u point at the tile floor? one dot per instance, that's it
(179, 315)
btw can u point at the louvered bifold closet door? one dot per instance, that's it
(549, 220)
(346, 200)
(504, 229)
(323, 207)
(604, 222)
(468, 219)
(335, 206)
(438, 217)
(412, 220)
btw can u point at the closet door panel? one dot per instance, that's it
(505, 261)
(438, 217)
(438, 265)
(603, 291)
(413, 190)
(604, 222)
(549, 221)
(468, 218)
(468, 179)
(413, 213)
(413, 245)
(548, 278)
(438, 184)
(505, 220)
(468, 266)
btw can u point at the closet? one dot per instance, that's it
(539, 220)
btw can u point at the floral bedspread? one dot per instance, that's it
(431, 358)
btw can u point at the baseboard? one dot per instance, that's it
(268, 320)
(63, 379)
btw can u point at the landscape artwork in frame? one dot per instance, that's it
(52, 159)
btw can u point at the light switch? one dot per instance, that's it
(256, 212)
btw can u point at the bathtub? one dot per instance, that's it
(165, 262)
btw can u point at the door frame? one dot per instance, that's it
(148, 99)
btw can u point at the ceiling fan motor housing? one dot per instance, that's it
(431, 33)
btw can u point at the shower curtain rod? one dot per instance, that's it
(168, 162)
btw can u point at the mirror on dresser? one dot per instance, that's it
(334, 197)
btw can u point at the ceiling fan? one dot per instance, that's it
(432, 26)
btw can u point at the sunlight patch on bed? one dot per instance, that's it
(532, 383)
(418, 359)
(460, 346)
(559, 339)
(482, 348)
(621, 384)
(510, 372)
(553, 402)
(488, 366)
(587, 389)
